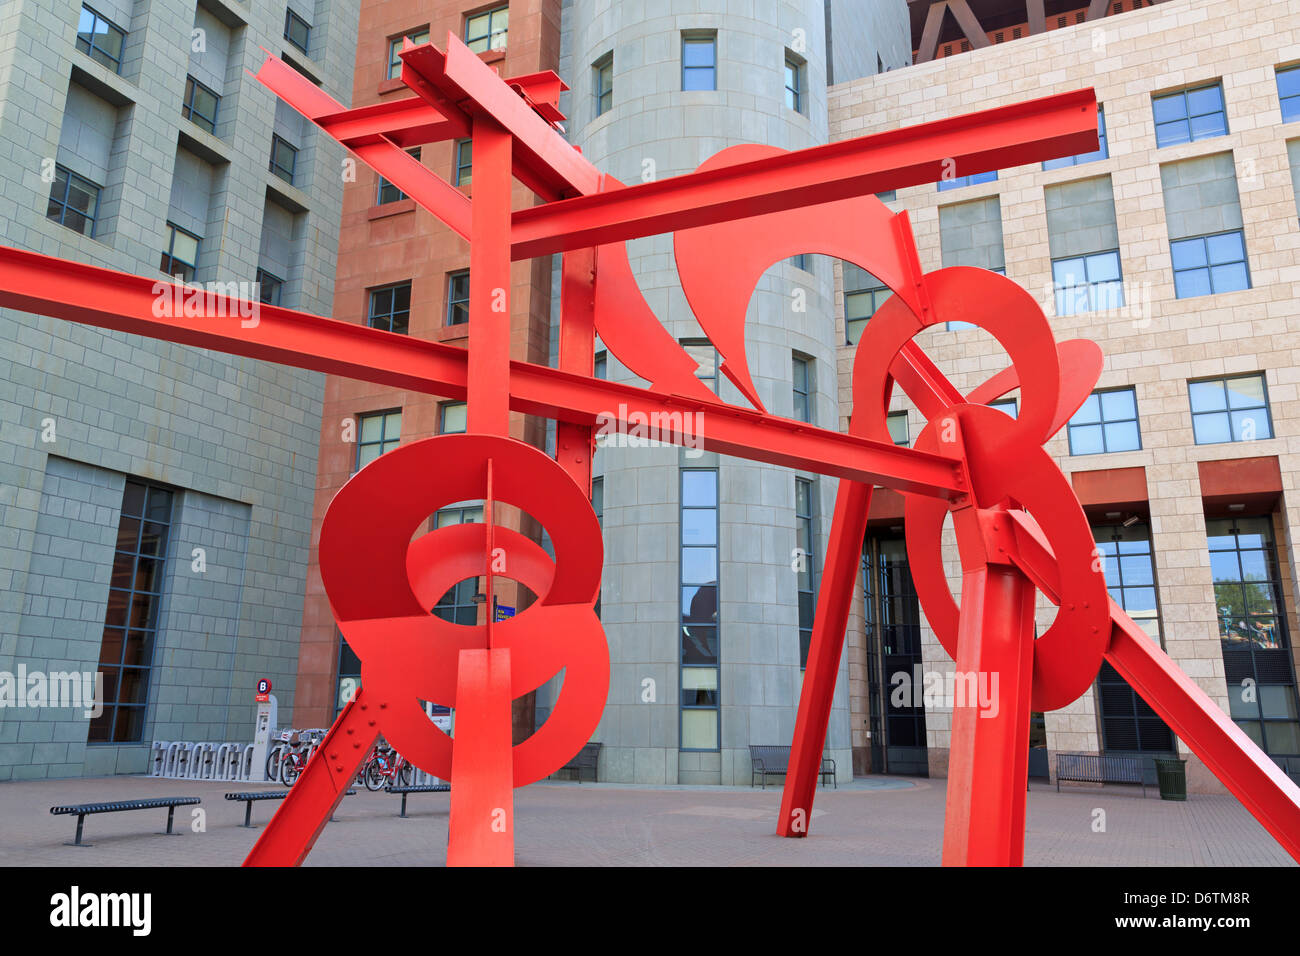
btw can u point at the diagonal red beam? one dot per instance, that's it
(116, 300)
(976, 142)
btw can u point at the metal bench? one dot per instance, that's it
(417, 788)
(775, 761)
(249, 796)
(1100, 768)
(154, 803)
(585, 759)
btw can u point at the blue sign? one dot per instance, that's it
(503, 611)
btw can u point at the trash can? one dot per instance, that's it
(1172, 774)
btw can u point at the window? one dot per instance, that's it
(804, 502)
(74, 201)
(1205, 265)
(100, 39)
(1102, 152)
(269, 287)
(1127, 722)
(1288, 93)
(452, 418)
(460, 604)
(390, 308)
(706, 361)
(387, 191)
(349, 675)
(1106, 422)
(803, 388)
(395, 47)
(1230, 409)
(794, 83)
(889, 195)
(200, 105)
(380, 432)
(600, 366)
(974, 179)
(700, 713)
(296, 30)
(1189, 115)
(863, 295)
(1088, 283)
(604, 83)
(464, 155)
(1007, 405)
(800, 261)
(487, 31)
(181, 253)
(898, 431)
(699, 61)
(131, 620)
(458, 298)
(1257, 658)
(283, 158)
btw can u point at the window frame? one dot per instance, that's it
(1282, 99)
(91, 49)
(877, 300)
(453, 300)
(490, 13)
(192, 86)
(292, 19)
(392, 312)
(1187, 115)
(275, 167)
(1228, 408)
(91, 219)
(602, 89)
(1102, 422)
(1209, 266)
(1091, 287)
(462, 170)
(796, 97)
(699, 38)
(277, 285)
(170, 252)
(384, 442)
(716, 666)
(807, 523)
(798, 362)
(442, 418)
(395, 47)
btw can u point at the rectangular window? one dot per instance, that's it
(463, 153)
(283, 158)
(452, 418)
(296, 30)
(349, 674)
(131, 621)
(458, 298)
(804, 504)
(975, 179)
(800, 261)
(1088, 283)
(1101, 152)
(1257, 659)
(699, 61)
(1205, 265)
(390, 308)
(395, 47)
(100, 39)
(600, 366)
(1106, 422)
(863, 294)
(487, 30)
(1007, 405)
(1230, 409)
(794, 83)
(706, 361)
(1288, 93)
(379, 432)
(1189, 115)
(200, 105)
(603, 75)
(802, 388)
(387, 191)
(461, 602)
(180, 253)
(269, 287)
(898, 430)
(74, 200)
(700, 712)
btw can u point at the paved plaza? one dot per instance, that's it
(876, 821)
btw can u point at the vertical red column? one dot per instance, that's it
(573, 447)
(984, 818)
(481, 824)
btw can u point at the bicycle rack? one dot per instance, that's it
(158, 757)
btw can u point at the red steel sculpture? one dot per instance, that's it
(1020, 530)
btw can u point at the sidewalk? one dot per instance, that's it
(875, 821)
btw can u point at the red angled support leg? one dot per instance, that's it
(984, 819)
(843, 562)
(299, 819)
(481, 831)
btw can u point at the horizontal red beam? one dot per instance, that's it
(116, 300)
(1026, 132)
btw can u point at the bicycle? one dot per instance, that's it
(386, 768)
(294, 761)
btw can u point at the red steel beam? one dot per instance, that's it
(108, 299)
(975, 142)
